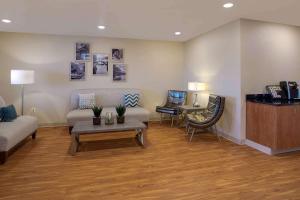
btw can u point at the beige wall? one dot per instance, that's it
(214, 58)
(243, 57)
(238, 58)
(152, 66)
(270, 53)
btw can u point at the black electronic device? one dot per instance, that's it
(276, 92)
(290, 88)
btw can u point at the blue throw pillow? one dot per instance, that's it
(9, 113)
(131, 100)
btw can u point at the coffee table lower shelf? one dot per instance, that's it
(83, 128)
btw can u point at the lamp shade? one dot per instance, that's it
(196, 86)
(21, 77)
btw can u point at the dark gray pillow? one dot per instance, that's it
(1, 114)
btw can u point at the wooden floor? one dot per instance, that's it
(110, 167)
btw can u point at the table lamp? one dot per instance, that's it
(22, 77)
(196, 87)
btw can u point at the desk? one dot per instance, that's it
(275, 126)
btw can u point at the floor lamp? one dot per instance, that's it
(196, 87)
(22, 77)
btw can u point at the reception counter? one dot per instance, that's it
(273, 126)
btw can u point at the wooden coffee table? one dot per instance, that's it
(87, 127)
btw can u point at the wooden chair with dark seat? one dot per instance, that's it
(208, 117)
(175, 99)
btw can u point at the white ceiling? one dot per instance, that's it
(139, 19)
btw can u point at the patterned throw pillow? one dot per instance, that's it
(87, 101)
(131, 100)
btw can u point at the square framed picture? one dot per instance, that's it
(117, 55)
(119, 72)
(77, 71)
(100, 64)
(82, 51)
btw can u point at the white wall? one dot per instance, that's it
(152, 66)
(214, 58)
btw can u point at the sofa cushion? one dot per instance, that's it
(8, 113)
(138, 113)
(79, 115)
(106, 97)
(11, 133)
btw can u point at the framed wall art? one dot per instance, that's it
(100, 64)
(77, 71)
(82, 51)
(119, 72)
(117, 55)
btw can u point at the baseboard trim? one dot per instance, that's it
(274, 152)
(232, 139)
(268, 150)
(51, 125)
(259, 147)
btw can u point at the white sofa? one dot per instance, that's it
(108, 98)
(13, 133)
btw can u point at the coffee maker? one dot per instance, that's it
(291, 89)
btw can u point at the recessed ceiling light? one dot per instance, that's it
(101, 27)
(228, 5)
(6, 21)
(177, 33)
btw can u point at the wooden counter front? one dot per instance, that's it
(277, 127)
